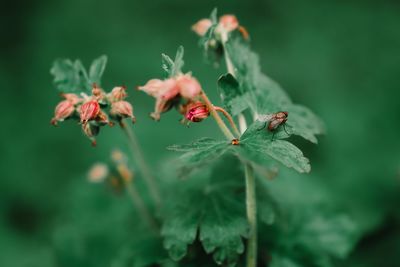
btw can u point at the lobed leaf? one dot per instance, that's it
(211, 204)
(199, 153)
(72, 77)
(97, 69)
(235, 102)
(173, 67)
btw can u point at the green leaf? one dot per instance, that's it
(303, 122)
(235, 102)
(199, 153)
(173, 67)
(266, 96)
(211, 203)
(97, 69)
(69, 76)
(282, 261)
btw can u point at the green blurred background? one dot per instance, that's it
(340, 58)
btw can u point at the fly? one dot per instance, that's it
(273, 121)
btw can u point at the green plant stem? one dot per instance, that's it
(139, 204)
(138, 157)
(251, 201)
(228, 134)
(251, 210)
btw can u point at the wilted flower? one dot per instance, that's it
(196, 112)
(164, 91)
(63, 110)
(168, 93)
(201, 27)
(122, 109)
(188, 86)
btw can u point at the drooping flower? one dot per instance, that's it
(201, 27)
(188, 86)
(228, 23)
(63, 110)
(164, 91)
(122, 109)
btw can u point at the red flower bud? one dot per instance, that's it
(197, 112)
(63, 110)
(122, 109)
(89, 111)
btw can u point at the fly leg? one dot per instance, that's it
(264, 125)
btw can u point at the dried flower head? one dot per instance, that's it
(122, 109)
(117, 93)
(91, 130)
(89, 111)
(63, 110)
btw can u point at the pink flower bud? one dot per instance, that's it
(122, 109)
(197, 112)
(63, 110)
(118, 93)
(166, 89)
(98, 173)
(73, 98)
(229, 22)
(201, 27)
(188, 86)
(89, 111)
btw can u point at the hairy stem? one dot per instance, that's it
(251, 202)
(229, 118)
(251, 210)
(139, 204)
(138, 157)
(228, 134)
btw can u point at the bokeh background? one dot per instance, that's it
(340, 58)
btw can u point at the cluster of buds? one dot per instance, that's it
(181, 92)
(115, 173)
(95, 110)
(225, 25)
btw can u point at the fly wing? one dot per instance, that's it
(264, 117)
